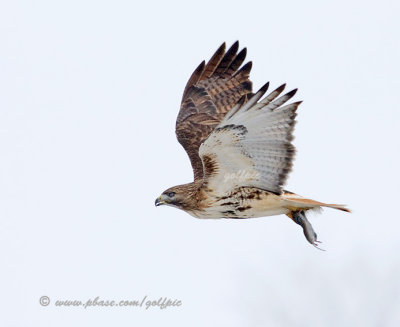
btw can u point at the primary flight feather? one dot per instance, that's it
(239, 145)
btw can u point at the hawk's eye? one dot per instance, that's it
(171, 194)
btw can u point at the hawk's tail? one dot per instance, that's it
(296, 202)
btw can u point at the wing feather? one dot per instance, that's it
(227, 59)
(211, 92)
(252, 146)
(194, 78)
(236, 63)
(214, 62)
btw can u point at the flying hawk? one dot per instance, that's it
(239, 145)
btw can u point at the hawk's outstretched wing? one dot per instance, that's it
(212, 90)
(252, 145)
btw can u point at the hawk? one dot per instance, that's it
(240, 146)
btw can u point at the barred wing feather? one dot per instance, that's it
(252, 145)
(211, 92)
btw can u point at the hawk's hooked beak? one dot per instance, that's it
(159, 202)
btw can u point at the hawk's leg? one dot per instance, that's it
(299, 217)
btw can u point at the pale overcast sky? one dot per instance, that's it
(89, 93)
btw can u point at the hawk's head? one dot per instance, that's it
(181, 196)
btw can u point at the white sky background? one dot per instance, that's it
(89, 93)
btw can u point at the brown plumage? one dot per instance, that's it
(211, 91)
(239, 145)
